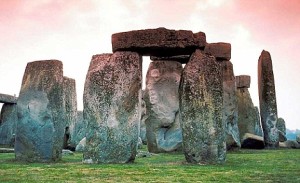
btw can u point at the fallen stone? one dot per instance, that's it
(8, 122)
(8, 99)
(163, 130)
(41, 115)
(222, 51)
(243, 81)
(183, 59)
(267, 100)
(291, 144)
(112, 101)
(159, 42)
(7, 150)
(251, 141)
(67, 152)
(201, 105)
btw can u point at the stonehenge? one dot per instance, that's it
(201, 109)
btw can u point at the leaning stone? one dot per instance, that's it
(281, 125)
(222, 51)
(159, 42)
(8, 99)
(80, 147)
(251, 141)
(41, 122)
(71, 110)
(8, 122)
(112, 100)
(230, 107)
(183, 59)
(201, 104)
(267, 100)
(291, 144)
(163, 130)
(243, 81)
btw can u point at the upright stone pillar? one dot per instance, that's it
(162, 102)
(281, 129)
(41, 120)
(112, 99)
(71, 111)
(201, 104)
(267, 100)
(8, 122)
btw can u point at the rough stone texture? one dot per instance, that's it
(243, 81)
(159, 42)
(230, 107)
(251, 141)
(267, 100)
(282, 136)
(247, 115)
(292, 144)
(183, 59)
(162, 104)
(7, 150)
(80, 147)
(222, 51)
(112, 101)
(144, 116)
(79, 131)
(8, 99)
(201, 104)
(41, 115)
(258, 128)
(71, 108)
(281, 125)
(8, 122)
(298, 138)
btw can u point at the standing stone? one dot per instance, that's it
(247, 117)
(8, 121)
(79, 130)
(71, 110)
(41, 120)
(281, 129)
(162, 102)
(144, 116)
(112, 101)
(201, 104)
(267, 100)
(258, 129)
(230, 107)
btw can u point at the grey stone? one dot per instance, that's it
(243, 81)
(247, 115)
(79, 129)
(41, 115)
(267, 100)
(4, 98)
(222, 51)
(159, 42)
(258, 128)
(112, 101)
(183, 59)
(230, 107)
(282, 136)
(291, 144)
(281, 125)
(298, 138)
(8, 122)
(162, 104)
(71, 111)
(144, 116)
(80, 147)
(201, 105)
(67, 152)
(251, 141)
(7, 150)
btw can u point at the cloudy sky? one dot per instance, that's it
(73, 31)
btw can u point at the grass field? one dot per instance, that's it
(241, 166)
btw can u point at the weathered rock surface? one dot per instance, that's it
(7, 150)
(71, 109)
(230, 107)
(281, 125)
(267, 100)
(79, 130)
(41, 115)
(8, 122)
(243, 81)
(80, 147)
(251, 141)
(162, 102)
(222, 51)
(8, 99)
(258, 128)
(183, 59)
(144, 116)
(247, 115)
(112, 101)
(292, 144)
(282, 136)
(201, 104)
(298, 138)
(159, 42)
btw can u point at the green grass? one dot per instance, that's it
(241, 166)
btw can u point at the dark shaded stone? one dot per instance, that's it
(8, 122)
(144, 116)
(243, 81)
(282, 136)
(41, 114)
(112, 101)
(159, 42)
(251, 141)
(298, 138)
(267, 100)
(222, 51)
(281, 125)
(8, 99)
(162, 104)
(201, 108)
(183, 59)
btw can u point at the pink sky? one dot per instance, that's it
(73, 31)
